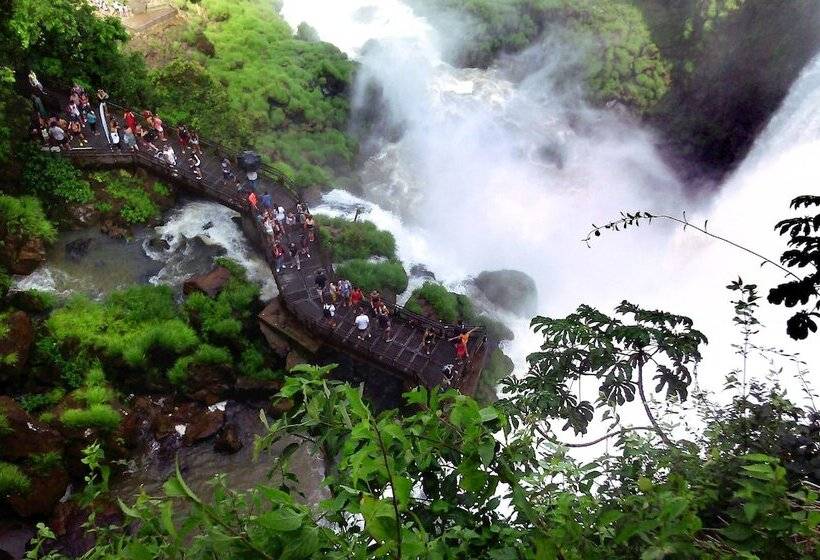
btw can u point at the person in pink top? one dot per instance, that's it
(158, 127)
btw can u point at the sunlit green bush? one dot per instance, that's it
(387, 275)
(345, 239)
(99, 416)
(12, 480)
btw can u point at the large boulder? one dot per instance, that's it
(204, 425)
(511, 290)
(210, 284)
(23, 257)
(228, 440)
(27, 435)
(209, 384)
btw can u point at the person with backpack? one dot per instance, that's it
(91, 122)
(344, 291)
(329, 314)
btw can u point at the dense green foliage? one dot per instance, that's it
(24, 217)
(12, 480)
(142, 331)
(54, 180)
(128, 196)
(367, 275)
(290, 92)
(346, 240)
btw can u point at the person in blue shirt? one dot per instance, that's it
(267, 201)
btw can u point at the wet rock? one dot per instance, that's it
(511, 290)
(23, 257)
(208, 225)
(204, 426)
(113, 230)
(84, 215)
(210, 284)
(420, 271)
(159, 244)
(77, 249)
(14, 539)
(209, 384)
(44, 494)
(250, 387)
(27, 435)
(228, 440)
(17, 341)
(237, 220)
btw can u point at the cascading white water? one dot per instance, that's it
(506, 168)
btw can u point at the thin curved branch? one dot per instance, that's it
(630, 219)
(646, 408)
(607, 436)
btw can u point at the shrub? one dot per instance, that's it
(43, 463)
(443, 302)
(99, 416)
(252, 365)
(33, 301)
(12, 480)
(161, 189)
(52, 176)
(382, 276)
(355, 240)
(205, 354)
(137, 206)
(24, 217)
(94, 395)
(33, 402)
(5, 427)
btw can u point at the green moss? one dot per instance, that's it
(24, 217)
(129, 195)
(34, 301)
(33, 402)
(345, 239)
(205, 354)
(99, 416)
(382, 276)
(12, 480)
(5, 427)
(43, 463)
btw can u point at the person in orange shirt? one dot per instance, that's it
(461, 341)
(252, 199)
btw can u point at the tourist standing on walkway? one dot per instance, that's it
(253, 201)
(267, 201)
(345, 291)
(310, 227)
(91, 121)
(252, 176)
(294, 256)
(157, 123)
(363, 324)
(129, 140)
(194, 163)
(383, 315)
(115, 138)
(280, 216)
(305, 240)
(130, 119)
(76, 131)
(184, 137)
(102, 95)
(333, 292)
(356, 296)
(329, 314)
(195, 143)
(279, 257)
(290, 221)
(320, 280)
(428, 341)
(375, 300)
(170, 156)
(461, 341)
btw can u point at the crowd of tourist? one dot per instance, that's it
(290, 237)
(111, 7)
(291, 233)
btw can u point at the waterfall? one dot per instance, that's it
(507, 168)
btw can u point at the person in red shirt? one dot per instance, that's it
(130, 119)
(356, 297)
(252, 200)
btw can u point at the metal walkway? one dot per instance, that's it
(403, 356)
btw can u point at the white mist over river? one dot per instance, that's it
(506, 168)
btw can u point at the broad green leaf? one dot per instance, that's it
(379, 518)
(281, 520)
(402, 486)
